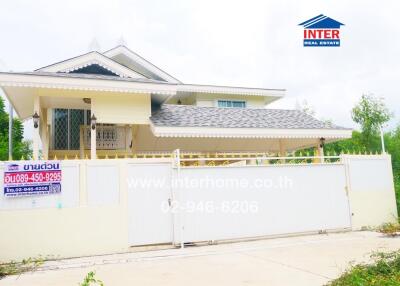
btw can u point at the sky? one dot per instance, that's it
(239, 43)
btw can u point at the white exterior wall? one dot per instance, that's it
(122, 109)
(371, 190)
(211, 100)
(289, 199)
(97, 213)
(89, 217)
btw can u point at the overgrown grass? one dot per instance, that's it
(14, 268)
(384, 271)
(390, 228)
(90, 280)
(397, 190)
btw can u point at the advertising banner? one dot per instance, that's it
(28, 178)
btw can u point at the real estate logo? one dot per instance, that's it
(321, 31)
(13, 167)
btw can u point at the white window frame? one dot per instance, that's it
(216, 104)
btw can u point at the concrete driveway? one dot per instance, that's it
(304, 260)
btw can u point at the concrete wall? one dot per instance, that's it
(91, 215)
(210, 100)
(122, 109)
(261, 200)
(371, 190)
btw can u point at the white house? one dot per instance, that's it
(140, 109)
(171, 163)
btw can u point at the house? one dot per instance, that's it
(116, 103)
(177, 163)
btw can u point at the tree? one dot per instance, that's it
(371, 113)
(305, 107)
(21, 148)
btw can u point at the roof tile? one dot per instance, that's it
(196, 116)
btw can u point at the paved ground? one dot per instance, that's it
(306, 260)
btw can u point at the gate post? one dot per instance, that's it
(179, 211)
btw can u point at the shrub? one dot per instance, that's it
(384, 271)
(390, 229)
(13, 268)
(90, 279)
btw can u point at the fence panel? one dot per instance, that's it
(68, 198)
(102, 180)
(149, 194)
(371, 190)
(237, 202)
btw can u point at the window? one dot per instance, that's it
(66, 124)
(232, 103)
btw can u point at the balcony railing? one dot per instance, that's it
(108, 137)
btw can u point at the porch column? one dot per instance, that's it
(320, 153)
(93, 136)
(36, 131)
(282, 150)
(135, 129)
(82, 141)
(44, 133)
(319, 150)
(128, 138)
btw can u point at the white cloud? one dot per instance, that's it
(243, 43)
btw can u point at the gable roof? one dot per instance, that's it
(128, 58)
(94, 69)
(88, 59)
(196, 116)
(321, 22)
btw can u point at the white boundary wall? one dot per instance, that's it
(285, 199)
(95, 213)
(371, 190)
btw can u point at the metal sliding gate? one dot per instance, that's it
(171, 204)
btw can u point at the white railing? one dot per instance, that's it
(246, 161)
(108, 137)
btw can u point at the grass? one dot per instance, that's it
(14, 268)
(384, 271)
(390, 229)
(90, 279)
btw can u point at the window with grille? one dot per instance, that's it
(66, 127)
(232, 103)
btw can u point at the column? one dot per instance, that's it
(44, 133)
(36, 131)
(282, 150)
(82, 141)
(93, 135)
(128, 138)
(320, 152)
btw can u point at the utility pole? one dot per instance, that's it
(382, 141)
(10, 129)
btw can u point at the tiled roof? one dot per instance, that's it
(90, 76)
(196, 116)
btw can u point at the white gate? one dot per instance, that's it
(168, 203)
(248, 201)
(371, 190)
(149, 194)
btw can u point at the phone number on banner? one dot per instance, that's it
(32, 190)
(32, 177)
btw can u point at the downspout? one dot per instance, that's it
(10, 129)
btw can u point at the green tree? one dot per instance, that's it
(371, 113)
(21, 148)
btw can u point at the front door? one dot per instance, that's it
(149, 194)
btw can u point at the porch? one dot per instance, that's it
(89, 116)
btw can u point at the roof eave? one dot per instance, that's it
(12, 79)
(121, 49)
(214, 132)
(219, 89)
